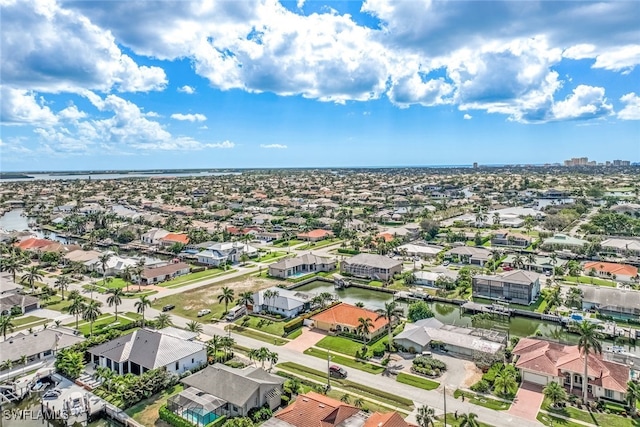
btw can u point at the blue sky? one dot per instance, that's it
(229, 84)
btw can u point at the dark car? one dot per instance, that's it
(337, 372)
(168, 307)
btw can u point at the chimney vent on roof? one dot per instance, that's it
(321, 405)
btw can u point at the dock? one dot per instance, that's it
(498, 309)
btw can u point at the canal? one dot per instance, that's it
(14, 220)
(446, 313)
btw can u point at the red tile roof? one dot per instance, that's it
(347, 314)
(553, 359)
(33, 243)
(612, 268)
(315, 410)
(390, 419)
(315, 234)
(386, 236)
(176, 237)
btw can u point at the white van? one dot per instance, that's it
(236, 312)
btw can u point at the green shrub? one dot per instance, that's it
(173, 419)
(348, 251)
(481, 386)
(217, 422)
(292, 325)
(429, 363)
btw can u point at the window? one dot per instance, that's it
(177, 366)
(608, 394)
(193, 360)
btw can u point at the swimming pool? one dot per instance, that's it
(300, 274)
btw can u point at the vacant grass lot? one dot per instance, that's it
(346, 361)
(263, 325)
(416, 381)
(190, 278)
(588, 280)
(271, 256)
(346, 346)
(285, 244)
(252, 333)
(318, 245)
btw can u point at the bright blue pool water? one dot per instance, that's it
(576, 317)
(198, 417)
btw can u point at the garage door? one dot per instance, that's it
(535, 378)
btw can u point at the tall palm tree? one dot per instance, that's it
(163, 320)
(227, 296)
(364, 327)
(273, 359)
(518, 261)
(193, 326)
(12, 264)
(504, 383)
(62, 283)
(574, 297)
(77, 307)
(633, 394)
(227, 343)
(555, 393)
(588, 343)
(91, 313)
(263, 355)
(126, 275)
(425, 416)
(213, 345)
(6, 325)
(390, 312)
(245, 298)
(141, 305)
(531, 259)
(115, 298)
(469, 420)
(31, 276)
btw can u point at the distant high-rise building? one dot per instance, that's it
(475, 165)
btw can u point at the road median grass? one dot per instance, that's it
(346, 361)
(360, 389)
(415, 381)
(482, 400)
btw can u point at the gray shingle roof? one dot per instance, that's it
(31, 344)
(373, 260)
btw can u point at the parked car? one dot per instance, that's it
(548, 273)
(52, 394)
(337, 372)
(445, 263)
(204, 312)
(168, 307)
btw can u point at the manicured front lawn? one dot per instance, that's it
(284, 244)
(190, 278)
(263, 325)
(346, 361)
(252, 333)
(103, 321)
(271, 255)
(597, 418)
(340, 345)
(146, 411)
(588, 280)
(416, 381)
(20, 321)
(481, 400)
(551, 421)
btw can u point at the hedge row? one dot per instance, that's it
(173, 419)
(292, 325)
(348, 251)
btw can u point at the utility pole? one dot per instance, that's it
(444, 388)
(328, 371)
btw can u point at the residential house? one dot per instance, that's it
(422, 251)
(421, 335)
(469, 255)
(315, 235)
(621, 246)
(37, 346)
(153, 236)
(427, 278)
(371, 266)
(303, 264)
(268, 236)
(173, 238)
(7, 286)
(149, 276)
(146, 349)
(82, 256)
(219, 390)
(541, 263)
(314, 410)
(26, 303)
(542, 362)
(114, 266)
(509, 238)
(288, 303)
(517, 286)
(615, 302)
(343, 318)
(220, 253)
(612, 270)
(563, 241)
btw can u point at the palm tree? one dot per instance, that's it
(345, 398)
(518, 261)
(77, 307)
(555, 393)
(115, 298)
(273, 359)
(469, 420)
(505, 383)
(91, 313)
(531, 259)
(633, 394)
(31, 276)
(141, 305)
(364, 327)
(425, 416)
(358, 402)
(213, 345)
(245, 298)
(163, 320)
(6, 325)
(227, 296)
(293, 386)
(12, 264)
(62, 283)
(227, 343)
(589, 342)
(262, 355)
(103, 260)
(574, 297)
(390, 312)
(193, 326)
(126, 275)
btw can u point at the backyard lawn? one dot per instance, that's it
(588, 280)
(346, 361)
(146, 411)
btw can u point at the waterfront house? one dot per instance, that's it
(41, 345)
(303, 264)
(621, 246)
(371, 266)
(517, 286)
(315, 235)
(174, 238)
(563, 241)
(153, 236)
(509, 238)
(541, 362)
(150, 276)
(541, 264)
(615, 302)
(422, 251)
(469, 255)
(288, 303)
(146, 349)
(421, 335)
(220, 253)
(219, 390)
(612, 270)
(344, 318)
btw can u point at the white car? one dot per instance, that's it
(204, 312)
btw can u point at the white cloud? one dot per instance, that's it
(584, 102)
(223, 144)
(187, 89)
(273, 146)
(631, 110)
(620, 58)
(189, 117)
(20, 107)
(467, 117)
(72, 113)
(48, 48)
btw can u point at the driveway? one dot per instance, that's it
(309, 338)
(527, 402)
